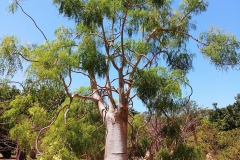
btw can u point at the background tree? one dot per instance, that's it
(128, 38)
(217, 143)
(29, 111)
(7, 94)
(227, 118)
(173, 135)
(81, 135)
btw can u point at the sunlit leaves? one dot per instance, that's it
(78, 134)
(136, 49)
(221, 48)
(32, 110)
(23, 133)
(13, 6)
(194, 6)
(182, 151)
(10, 61)
(39, 116)
(94, 13)
(132, 36)
(138, 131)
(220, 144)
(16, 115)
(54, 58)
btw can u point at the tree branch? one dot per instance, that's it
(32, 20)
(84, 97)
(23, 57)
(42, 129)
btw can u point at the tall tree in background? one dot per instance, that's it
(123, 44)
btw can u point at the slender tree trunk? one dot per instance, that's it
(116, 137)
(195, 138)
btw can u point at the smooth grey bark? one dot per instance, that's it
(116, 121)
(116, 137)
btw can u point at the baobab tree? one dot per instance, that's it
(138, 48)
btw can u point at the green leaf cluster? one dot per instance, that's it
(92, 60)
(54, 58)
(138, 136)
(227, 118)
(162, 86)
(10, 61)
(74, 135)
(221, 48)
(217, 143)
(91, 13)
(182, 152)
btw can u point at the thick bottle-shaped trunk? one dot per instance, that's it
(116, 137)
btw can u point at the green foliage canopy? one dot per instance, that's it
(134, 39)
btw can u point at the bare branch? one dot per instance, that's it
(136, 140)
(122, 34)
(85, 111)
(98, 35)
(23, 57)
(187, 34)
(153, 34)
(44, 128)
(190, 93)
(150, 61)
(113, 39)
(70, 77)
(98, 128)
(87, 75)
(67, 110)
(17, 83)
(65, 86)
(32, 20)
(131, 98)
(84, 97)
(77, 35)
(156, 31)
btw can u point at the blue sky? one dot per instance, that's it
(209, 85)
